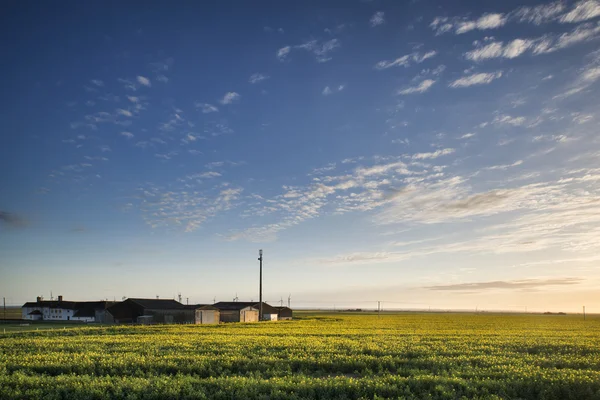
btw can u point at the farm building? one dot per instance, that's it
(62, 310)
(148, 311)
(269, 312)
(205, 314)
(284, 313)
(235, 311)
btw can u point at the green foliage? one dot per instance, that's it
(413, 356)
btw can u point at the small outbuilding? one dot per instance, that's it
(236, 311)
(284, 313)
(206, 314)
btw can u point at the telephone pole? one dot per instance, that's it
(260, 313)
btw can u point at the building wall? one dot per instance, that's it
(229, 316)
(102, 316)
(49, 314)
(207, 316)
(171, 316)
(249, 315)
(285, 314)
(269, 317)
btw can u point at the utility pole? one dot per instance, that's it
(584, 313)
(281, 302)
(215, 300)
(260, 313)
(289, 300)
(187, 301)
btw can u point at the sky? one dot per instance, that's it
(419, 153)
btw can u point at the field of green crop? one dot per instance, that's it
(335, 356)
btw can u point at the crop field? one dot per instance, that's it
(327, 356)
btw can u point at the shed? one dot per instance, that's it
(284, 313)
(235, 311)
(206, 314)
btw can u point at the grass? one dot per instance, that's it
(319, 355)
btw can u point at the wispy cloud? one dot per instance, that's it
(475, 79)
(229, 98)
(283, 52)
(125, 113)
(328, 91)
(97, 82)
(537, 15)
(319, 49)
(420, 88)
(541, 45)
(142, 80)
(406, 60)
(435, 154)
(515, 284)
(458, 25)
(583, 11)
(377, 19)
(255, 78)
(128, 135)
(206, 108)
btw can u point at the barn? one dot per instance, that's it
(284, 313)
(236, 311)
(148, 311)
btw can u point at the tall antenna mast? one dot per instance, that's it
(260, 312)
(290, 301)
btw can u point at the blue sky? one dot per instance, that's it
(425, 154)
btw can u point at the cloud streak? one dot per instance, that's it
(406, 60)
(420, 88)
(475, 79)
(507, 285)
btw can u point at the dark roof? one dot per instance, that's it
(283, 308)
(65, 305)
(196, 306)
(233, 305)
(158, 304)
(238, 305)
(69, 305)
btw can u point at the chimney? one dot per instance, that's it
(59, 298)
(38, 299)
